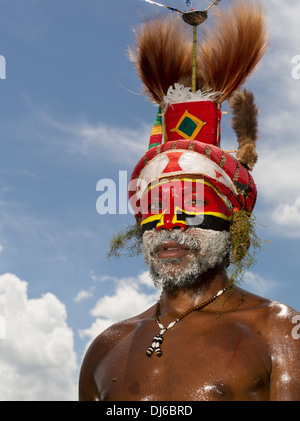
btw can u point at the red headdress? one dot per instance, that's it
(186, 134)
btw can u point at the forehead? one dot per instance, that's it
(180, 191)
(178, 163)
(184, 183)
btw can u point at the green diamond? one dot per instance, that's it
(187, 126)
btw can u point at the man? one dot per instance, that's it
(206, 338)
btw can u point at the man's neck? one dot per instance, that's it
(179, 300)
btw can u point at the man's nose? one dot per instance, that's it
(169, 218)
(169, 222)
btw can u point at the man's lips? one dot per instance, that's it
(171, 249)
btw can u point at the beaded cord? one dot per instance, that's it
(158, 339)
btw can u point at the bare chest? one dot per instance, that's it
(228, 362)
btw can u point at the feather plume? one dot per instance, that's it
(226, 56)
(244, 123)
(162, 56)
(232, 48)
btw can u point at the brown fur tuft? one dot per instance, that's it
(244, 123)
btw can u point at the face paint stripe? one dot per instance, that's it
(208, 222)
(152, 218)
(216, 214)
(156, 218)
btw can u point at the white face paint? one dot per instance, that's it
(178, 258)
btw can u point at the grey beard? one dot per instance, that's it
(209, 249)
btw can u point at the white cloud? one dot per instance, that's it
(82, 139)
(37, 359)
(277, 176)
(83, 295)
(145, 279)
(124, 143)
(257, 284)
(277, 172)
(288, 216)
(104, 278)
(283, 22)
(127, 301)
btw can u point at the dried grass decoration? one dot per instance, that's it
(245, 244)
(127, 242)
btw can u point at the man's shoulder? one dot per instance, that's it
(280, 317)
(117, 332)
(280, 310)
(269, 313)
(100, 347)
(276, 328)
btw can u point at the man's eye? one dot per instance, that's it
(195, 202)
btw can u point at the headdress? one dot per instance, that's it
(186, 134)
(185, 138)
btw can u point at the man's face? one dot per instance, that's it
(186, 230)
(184, 203)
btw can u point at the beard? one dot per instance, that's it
(205, 250)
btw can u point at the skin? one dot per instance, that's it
(238, 348)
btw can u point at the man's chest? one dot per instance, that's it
(228, 362)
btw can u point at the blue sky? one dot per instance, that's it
(72, 114)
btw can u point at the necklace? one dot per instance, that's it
(158, 339)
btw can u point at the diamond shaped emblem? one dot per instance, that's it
(188, 126)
